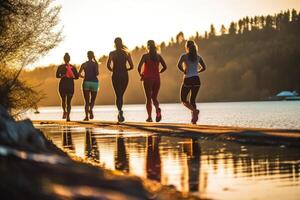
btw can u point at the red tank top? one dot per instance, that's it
(151, 69)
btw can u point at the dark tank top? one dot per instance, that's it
(119, 63)
(91, 71)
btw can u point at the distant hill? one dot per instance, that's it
(254, 58)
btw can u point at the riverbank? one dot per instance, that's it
(259, 136)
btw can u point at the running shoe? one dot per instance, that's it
(86, 119)
(149, 119)
(120, 116)
(91, 114)
(158, 115)
(64, 115)
(195, 116)
(68, 118)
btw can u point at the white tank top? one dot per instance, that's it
(191, 67)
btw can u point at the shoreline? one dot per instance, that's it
(256, 136)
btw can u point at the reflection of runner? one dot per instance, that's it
(90, 84)
(91, 146)
(119, 57)
(121, 157)
(151, 77)
(67, 141)
(153, 162)
(193, 163)
(67, 73)
(188, 64)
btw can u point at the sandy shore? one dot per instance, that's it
(247, 135)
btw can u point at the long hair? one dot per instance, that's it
(192, 50)
(152, 50)
(91, 56)
(119, 44)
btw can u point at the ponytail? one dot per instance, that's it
(192, 50)
(91, 56)
(119, 44)
(152, 50)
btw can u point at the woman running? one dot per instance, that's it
(188, 64)
(90, 84)
(119, 57)
(151, 77)
(67, 73)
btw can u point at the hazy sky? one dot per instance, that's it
(93, 24)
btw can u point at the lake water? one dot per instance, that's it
(206, 168)
(276, 114)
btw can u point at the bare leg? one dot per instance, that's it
(93, 99)
(86, 95)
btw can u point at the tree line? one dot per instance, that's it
(252, 59)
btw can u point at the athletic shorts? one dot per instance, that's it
(191, 81)
(90, 85)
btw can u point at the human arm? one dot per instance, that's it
(129, 59)
(163, 63)
(97, 69)
(108, 64)
(80, 71)
(203, 65)
(180, 64)
(59, 72)
(140, 65)
(75, 72)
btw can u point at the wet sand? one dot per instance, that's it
(237, 134)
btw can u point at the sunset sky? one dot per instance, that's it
(93, 24)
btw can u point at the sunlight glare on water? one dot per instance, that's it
(277, 114)
(209, 169)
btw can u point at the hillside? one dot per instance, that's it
(254, 58)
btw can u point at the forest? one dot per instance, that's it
(252, 59)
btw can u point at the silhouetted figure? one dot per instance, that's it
(151, 78)
(67, 73)
(153, 161)
(189, 65)
(67, 141)
(193, 163)
(91, 146)
(90, 84)
(119, 57)
(121, 157)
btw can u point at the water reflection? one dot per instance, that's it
(153, 162)
(91, 146)
(67, 141)
(121, 157)
(210, 169)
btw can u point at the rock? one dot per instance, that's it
(21, 134)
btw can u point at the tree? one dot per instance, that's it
(232, 28)
(269, 22)
(223, 30)
(212, 32)
(27, 33)
(179, 37)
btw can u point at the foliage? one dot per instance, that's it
(27, 32)
(258, 57)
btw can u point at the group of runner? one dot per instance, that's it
(190, 63)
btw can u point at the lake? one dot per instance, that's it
(264, 114)
(206, 168)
